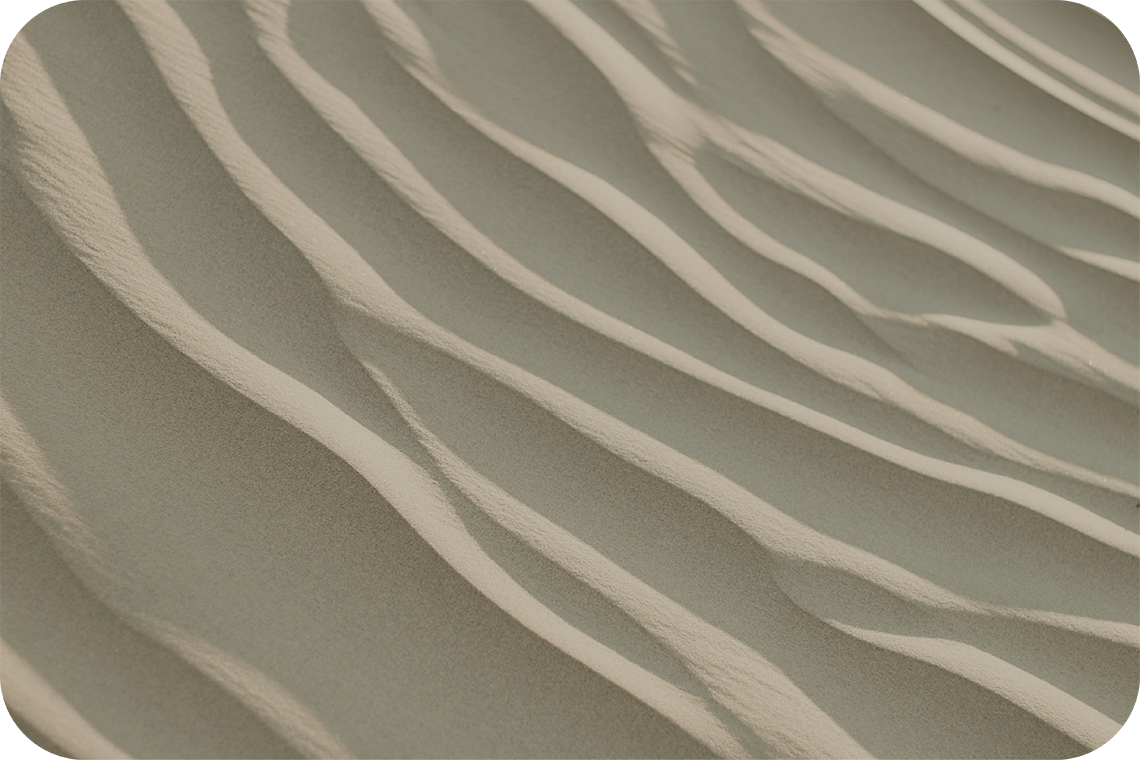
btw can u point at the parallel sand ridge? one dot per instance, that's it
(553, 379)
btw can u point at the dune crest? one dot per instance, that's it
(560, 379)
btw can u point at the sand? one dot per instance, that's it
(613, 379)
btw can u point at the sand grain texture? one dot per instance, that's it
(553, 379)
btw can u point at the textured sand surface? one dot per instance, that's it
(570, 379)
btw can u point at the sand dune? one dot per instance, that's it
(551, 379)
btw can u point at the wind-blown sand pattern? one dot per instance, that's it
(550, 379)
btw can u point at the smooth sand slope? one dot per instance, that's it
(569, 380)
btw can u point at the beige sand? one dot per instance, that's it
(568, 380)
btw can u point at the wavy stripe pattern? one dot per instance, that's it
(570, 379)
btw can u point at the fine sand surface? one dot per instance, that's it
(635, 379)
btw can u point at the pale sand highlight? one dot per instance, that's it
(550, 379)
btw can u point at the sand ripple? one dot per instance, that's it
(552, 379)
